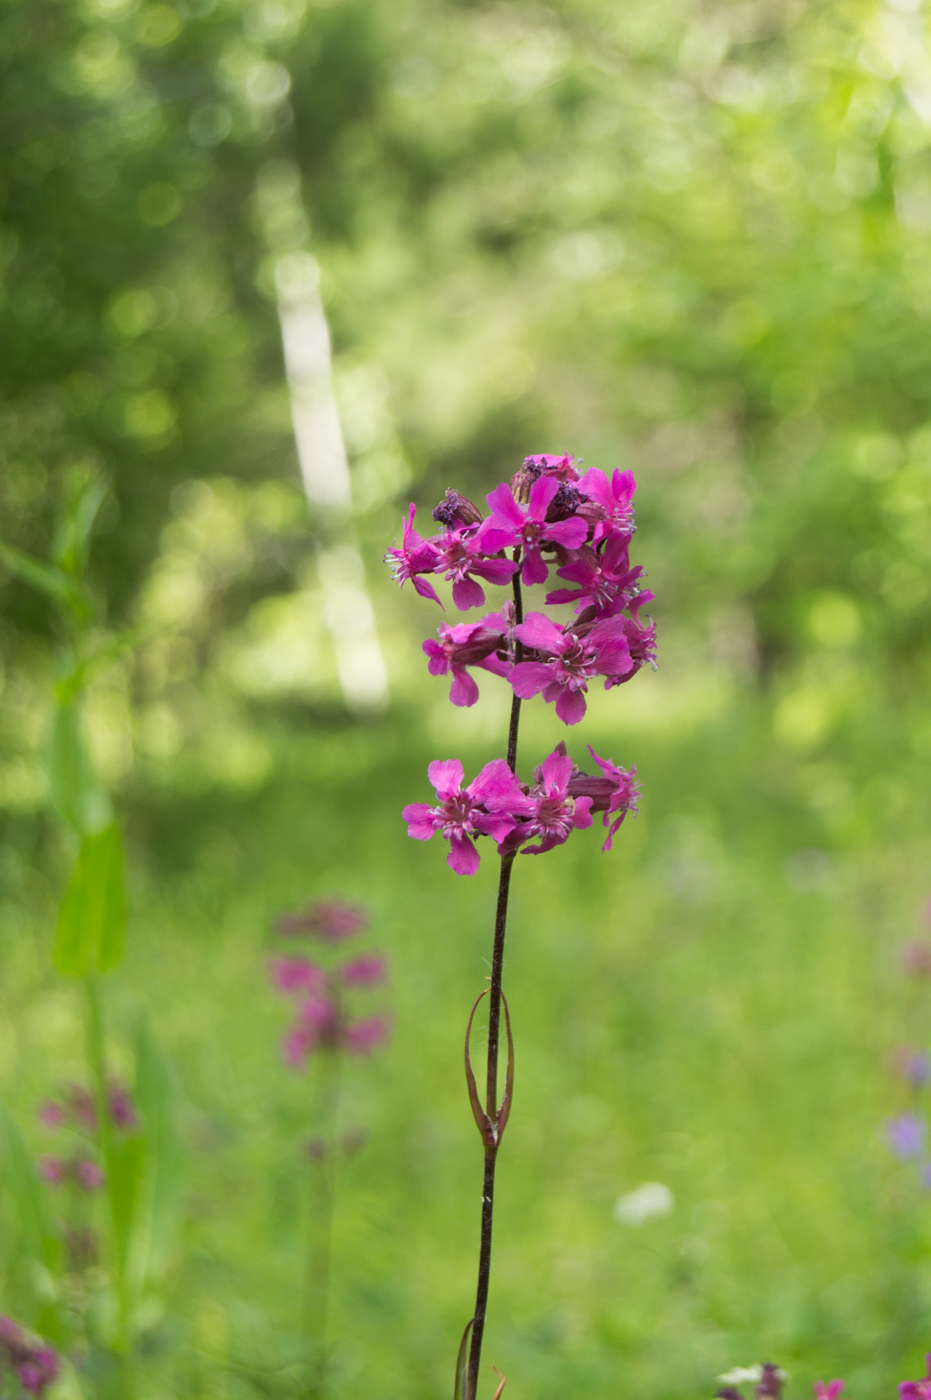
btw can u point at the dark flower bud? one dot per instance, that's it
(565, 503)
(456, 510)
(770, 1386)
(729, 1392)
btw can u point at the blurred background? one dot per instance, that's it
(689, 239)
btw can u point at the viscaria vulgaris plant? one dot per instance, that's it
(550, 515)
(326, 993)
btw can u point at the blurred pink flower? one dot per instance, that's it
(52, 1169)
(51, 1114)
(316, 1025)
(362, 1036)
(122, 1109)
(88, 1175)
(366, 971)
(331, 920)
(829, 1391)
(916, 958)
(297, 977)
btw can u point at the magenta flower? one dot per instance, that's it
(330, 920)
(361, 1037)
(52, 1169)
(607, 582)
(416, 556)
(829, 1391)
(575, 655)
(316, 1025)
(621, 798)
(555, 812)
(460, 554)
(367, 971)
(51, 1114)
(297, 977)
(906, 1135)
(917, 1390)
(467, 644)
(510, 525)
(489, 806)
(80, 1108)
(122, 1109)
(88, 1175)
(39, 1371)
(609, 504)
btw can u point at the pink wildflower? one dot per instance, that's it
(609, 503)
(315, 1026)
(88, 1175)
(367, 971)
(917, 1390)
(467, 644)
(51, 1114)
(489, 806)
(296, 977)
(575, 656)
(829, 1391)
(460, 554)
(416, 556)
(330, 920)
(39, 1371)
(80, 1108)
(122, 1110)
(607, 581)
(510, 525)
(52, 1169)
(361, 1037)
(622, 796)
(555, 812)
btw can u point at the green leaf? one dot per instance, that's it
(159, 1193)
(73, 537)
(76, 791)
(47, 579)
(39, 1235)
(92, 917)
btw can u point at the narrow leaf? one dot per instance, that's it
(45, 578)
(92, 918)
(462, 1361)
(482, 1121)
(76, 792)
(158, 1200)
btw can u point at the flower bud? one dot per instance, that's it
(456, 510)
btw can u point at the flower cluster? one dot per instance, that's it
(551, 514)
(36, 1363)
(318, 994)
(769, 1380)
(76, 1110)
(496, 804)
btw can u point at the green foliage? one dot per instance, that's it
(92, 918)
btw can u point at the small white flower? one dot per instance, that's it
(741, 1374)
(647, 1202)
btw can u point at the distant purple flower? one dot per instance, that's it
(609, 504)
(912, 1065)
(416, 556)
(39, 1371)
(467, 644)
(51, 1114)
(555, 813)
(122, 1109)
(361, 1037)
(829, 1391)
(489, 806)
(12, 1335)
(917, 1390)
(510, 525)
(916, 958)
(460, 554)
(330, 920)
(366, 971)
(606, 581)
(52, 1169)
(315, 1026)
(906, 1134)
(297, 977)
(88, 1175)
(574, 657)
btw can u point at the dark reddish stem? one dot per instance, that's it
(494, 1027)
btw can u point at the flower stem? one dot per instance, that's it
(320, 1238)
(491, 1082)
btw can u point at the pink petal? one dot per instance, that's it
(463, 690)
(497, 571)
(594, 485)
(562, 595)
(570, 707)
(497, 788)
(553, 691)
(497, 825)
(570, 533)
(540, 632)
(425, 589)
(446, 776)
(541, 493)
(530, 677)
(495, 665)
(502, 504)
(535, 569)
(463, 858)
(495, 535)
(557, 770)
(438, 663)
(468, 594)
(583, 814)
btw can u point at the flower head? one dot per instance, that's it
(914, 1066)
(122, 1109)
(39, 1371)
(906, 1134)
(330, 920)
(460, 555)
(361, 1037)
(609, 504)
(467, 644)
(917, 1390)
(367, 971)
(296, 977)
(567, 658)
(828, 1390)
(52, 1169)
(489, 806)
(317, 1025)
(606, 581)
(87, 1175)
(555, 812)
(456, 510)
(415, 557)
(510, 525)
(51, 1114)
